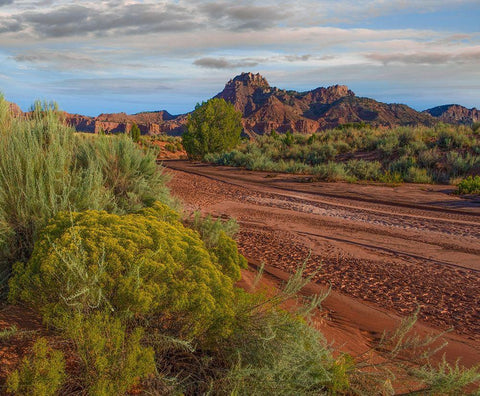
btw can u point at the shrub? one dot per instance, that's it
(449, 138)
(6, 116)
(417, 175)
(330, 171)
(129, 174)
(40, 374)
(391, 178)
(469, 185)
(274, 352)
(139, 265)
(135, 133)
(364, 170)
(213, 127)
(38, 178)
(112, 360)
(476, 126)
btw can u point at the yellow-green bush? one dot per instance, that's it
(40, 374)
(143, 265)
(112, 360)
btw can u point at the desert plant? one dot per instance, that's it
(213, 127)
(135, 133)
(129, 174)
(112, 359)
(138, 265)
(40, 374)
(469, 185)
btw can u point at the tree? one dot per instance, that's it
(213, 127)
(135, 133)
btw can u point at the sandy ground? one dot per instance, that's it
(385, 251)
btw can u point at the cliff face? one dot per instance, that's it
(455, 114)
(151, 123)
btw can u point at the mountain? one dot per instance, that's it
(267, 108)
(455, 114)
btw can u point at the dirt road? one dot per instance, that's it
(386, 251)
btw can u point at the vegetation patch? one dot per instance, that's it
(359, 152)
(469, 185)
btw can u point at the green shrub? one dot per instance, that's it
(476, 127)
(445, 379)
(273, 352)
(213, 127)
(330, 171)
(171, 147)
(391, 178)
(469, 185)
(40, 374)
(139, 265)
(135, 133)
(112, 360)
(449, 138)
(417, 175)
(6, 116)
(441, 153)
(130, 175)
(364, 170)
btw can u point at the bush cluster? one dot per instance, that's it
(355, 152)
(46, 168)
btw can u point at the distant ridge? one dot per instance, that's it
(455, 114)
(267, 108)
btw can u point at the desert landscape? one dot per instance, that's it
(386, 251)
(239, 198)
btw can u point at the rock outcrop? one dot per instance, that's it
(150, 123)
(455, 114)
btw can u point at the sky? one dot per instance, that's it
(96, 57)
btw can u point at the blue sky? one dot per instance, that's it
(122, 55)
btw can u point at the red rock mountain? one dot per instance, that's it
(266, 108)
(455, 114)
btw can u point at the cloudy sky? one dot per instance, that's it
(127, 55)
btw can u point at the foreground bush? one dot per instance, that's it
(112, 359)
(46, 168)
(139, 265)
(40, 374)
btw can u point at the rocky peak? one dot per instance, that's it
(250, 79)
(330, 94)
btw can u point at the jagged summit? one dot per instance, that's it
(250, 79)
